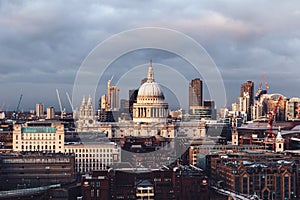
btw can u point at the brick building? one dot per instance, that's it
(182, 182)
(265, 174)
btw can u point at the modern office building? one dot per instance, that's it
(39, 110)
(195, 93)
(271, 101)
(246, 99)
(40, 136)
(50, 113)
(267, 103)
(248, 88)
(110, 101)
(211, 105)
(199, 109)
(112, 97)
(124, 106)
(109, 104)
(292, 111)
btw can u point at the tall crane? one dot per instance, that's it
(272, 117)
(19, 103)
(18, 106)
(69, 99)
(59, 102)
(261, 91)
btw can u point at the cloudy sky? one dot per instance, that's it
(43, 43)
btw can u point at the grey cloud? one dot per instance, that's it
(45, 41)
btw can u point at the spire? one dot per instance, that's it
(150, 73)
(279, 136)
(89, 100)
(83, 101)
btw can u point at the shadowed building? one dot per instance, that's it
(182, 182)
(247, 98)
(132, 99)
(195, 94)
(25, 170)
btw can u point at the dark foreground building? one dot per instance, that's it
(28, 170)
(183, 182)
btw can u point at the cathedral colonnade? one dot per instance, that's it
(152, 112)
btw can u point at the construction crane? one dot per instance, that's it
(19, 103)
(69, 99)
(59, 102)
(18, 107)
(272, 117)
(260, 90)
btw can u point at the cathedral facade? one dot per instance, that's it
(150, 114)
(150, 106)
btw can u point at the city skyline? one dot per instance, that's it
(43, 46)
(170, 96)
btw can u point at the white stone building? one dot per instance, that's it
(150, 106)
(150, 114)
(94, 156)
(42, 136)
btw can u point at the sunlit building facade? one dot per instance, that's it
(39, 136)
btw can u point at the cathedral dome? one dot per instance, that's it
(150, 106)
(150, 90)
